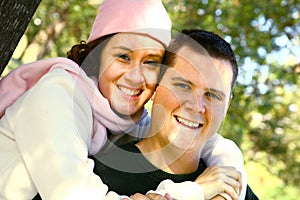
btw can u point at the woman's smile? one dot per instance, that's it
(129, 92)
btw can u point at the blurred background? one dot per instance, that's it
(264, 116)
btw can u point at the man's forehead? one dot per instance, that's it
(191, 59)
(202, 69)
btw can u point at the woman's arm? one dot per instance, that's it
(212, 182)
(224, 152)
(53, 128)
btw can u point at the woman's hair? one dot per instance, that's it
(80, 51)
(87, 56)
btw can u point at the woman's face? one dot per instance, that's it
(129, 69)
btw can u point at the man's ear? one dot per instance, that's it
(229, 101)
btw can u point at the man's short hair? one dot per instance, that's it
(204, 42)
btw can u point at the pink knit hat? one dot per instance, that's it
(138, 16)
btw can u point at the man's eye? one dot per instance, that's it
(183, 85)
(214, 96)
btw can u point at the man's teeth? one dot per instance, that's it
(129, 92)
(188, 123)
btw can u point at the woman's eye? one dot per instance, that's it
(152, 63)
(123, 57)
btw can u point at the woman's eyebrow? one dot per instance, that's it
(154, 56)
(122, 48)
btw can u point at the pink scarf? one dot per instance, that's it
(17, 82)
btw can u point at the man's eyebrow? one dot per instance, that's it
(179, 78)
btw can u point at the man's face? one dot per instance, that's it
(192, 99)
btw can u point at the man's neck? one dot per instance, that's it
(169, 158)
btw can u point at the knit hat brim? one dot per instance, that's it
(137, 16)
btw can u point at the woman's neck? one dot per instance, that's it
(134, 117)
(167, 157)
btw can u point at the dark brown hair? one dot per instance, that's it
(211, 43)
(85, 56)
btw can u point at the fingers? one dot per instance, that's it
(153, 196)
(237, 183)
(236, 179)
(168, 197)
(232, 172)
(230, 191)
(241, 183)
(217, 180)
(139, 197)
(150, 196)
(233, 184)
(231, 177)
(218, 197)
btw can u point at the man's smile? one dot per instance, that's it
(188, 123)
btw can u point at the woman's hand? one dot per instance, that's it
(218, 197)
(217, 180)
(151, 196)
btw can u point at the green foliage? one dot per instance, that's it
(58, 25)
(264, 114)
(269, 186)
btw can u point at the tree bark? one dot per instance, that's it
(15, 15)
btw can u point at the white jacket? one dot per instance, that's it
(51, 122)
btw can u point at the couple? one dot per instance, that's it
(53, 115)
(197, 78)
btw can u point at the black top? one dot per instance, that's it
(126, 171)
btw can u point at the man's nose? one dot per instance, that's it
(197, 102)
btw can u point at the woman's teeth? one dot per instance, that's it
(128, 91)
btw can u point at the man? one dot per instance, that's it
(189, 106)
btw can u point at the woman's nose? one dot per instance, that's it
(135, 75)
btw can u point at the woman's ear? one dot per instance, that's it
(153, 95)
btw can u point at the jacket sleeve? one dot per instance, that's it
(52, 129)
(220, 151)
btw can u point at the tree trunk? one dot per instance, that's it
(14, 18)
